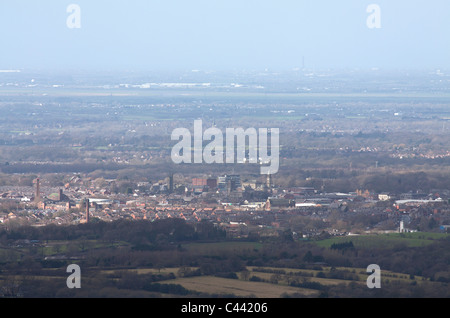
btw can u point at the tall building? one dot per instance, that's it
(229, 182)
(235, 181)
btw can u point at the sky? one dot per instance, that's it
(223, 34)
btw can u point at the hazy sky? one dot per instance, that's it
(224, 34)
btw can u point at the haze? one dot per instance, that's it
(224, 34)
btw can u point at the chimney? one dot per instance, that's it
(87, 210)
(37, 196)
(171, 183)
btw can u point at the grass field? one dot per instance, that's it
(391, 240)
(289, 272)
(266, 288)
(240, 288)
(273, 282)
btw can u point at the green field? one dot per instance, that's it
(391, 240)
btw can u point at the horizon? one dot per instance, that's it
(228, 35)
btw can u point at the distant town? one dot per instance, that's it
(227, 202)
(91, 149)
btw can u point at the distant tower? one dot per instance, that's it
(37, 195)
(401, 228)
(269, 181)
(87, 210)
(171, 183)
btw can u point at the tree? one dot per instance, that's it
(245, 274)
(275, 278)
(308, 258)
(159, 267)
(10, 288)
(287, 236)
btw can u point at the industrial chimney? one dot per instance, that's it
(37, 195)
(87, 210)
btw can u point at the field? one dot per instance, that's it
(270, 282)
(256, 282)
(226, 268)
(240, 288)
(391, 240)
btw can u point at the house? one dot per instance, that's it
(281, 203)
(384, 197)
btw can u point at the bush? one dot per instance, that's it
(256, 279)
(309, 285)
(230, 275)
(321, 275)
(175, 289)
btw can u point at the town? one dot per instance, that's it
(242, 207)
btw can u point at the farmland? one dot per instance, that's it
(253, 282)
(116, 262)
(393, 240)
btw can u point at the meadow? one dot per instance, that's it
(389, 240)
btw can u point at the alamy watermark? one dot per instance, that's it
(74, 279)
(191, 150)
(73, 21)
(374, 19)
(374, 280)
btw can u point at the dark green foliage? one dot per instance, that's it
(309, 285)
(174, 289)
(342, 246)
(140, 233)
(256, 279)
(230, 275)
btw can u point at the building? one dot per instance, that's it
(199, 182)
(58, 197)
(384, 197)
(204, 184)
(229, 183)
(211, 183)
(281, 203)
(401, 227)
